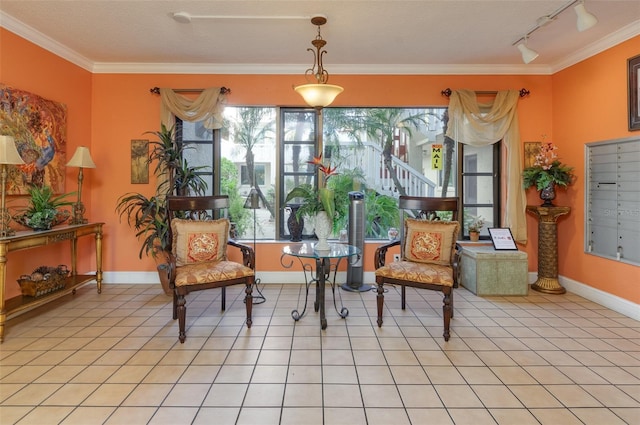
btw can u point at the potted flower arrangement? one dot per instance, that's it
(547, 172)
(318, 203)
(477, 223)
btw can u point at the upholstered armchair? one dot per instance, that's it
(198, 257)
(428, 257)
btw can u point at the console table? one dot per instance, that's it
(31, 239)
(548, 248)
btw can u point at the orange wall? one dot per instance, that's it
(111, 109)
(590, 105)
(28, 67)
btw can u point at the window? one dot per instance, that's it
(381, 152)
(480, 185)
(259, 174)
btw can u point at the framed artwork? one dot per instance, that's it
(502, 239)
(139, 161)
(39, 128)
(634, 93)
(531, 149)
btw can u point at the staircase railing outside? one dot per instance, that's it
(368, 157)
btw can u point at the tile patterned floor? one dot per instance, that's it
(114, 358)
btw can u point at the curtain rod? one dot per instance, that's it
(523, 92)
(156, 90)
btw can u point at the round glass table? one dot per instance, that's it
(326, 261)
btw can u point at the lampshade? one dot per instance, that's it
(253, 200)
(319, 95)
(81, 158)
(528, 54)
(585, 19)
(8, 151)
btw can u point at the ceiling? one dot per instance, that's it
(363, 36)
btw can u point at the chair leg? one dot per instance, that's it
(452, 309)
(380, 299)
(224, 298)
(175, 305)
(446, 311)
(403, 296)
(182, 315)
(248, 300)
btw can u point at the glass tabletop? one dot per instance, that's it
(308, 250)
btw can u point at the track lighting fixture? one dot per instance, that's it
(585, 21)
(528, 54)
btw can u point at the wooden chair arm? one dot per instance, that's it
(381, 253)
(248, 255)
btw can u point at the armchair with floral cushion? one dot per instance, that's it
(198, 257)
(428, 253)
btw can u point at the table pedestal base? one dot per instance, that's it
(548, 285)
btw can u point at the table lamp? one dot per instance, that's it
(8, 155)
(81, 159)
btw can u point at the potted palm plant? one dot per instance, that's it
(147, 215)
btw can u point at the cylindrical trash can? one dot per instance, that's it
(355, 271)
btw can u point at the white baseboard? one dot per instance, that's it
(605, 299)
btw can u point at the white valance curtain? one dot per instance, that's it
(482, 124)
(207, 107)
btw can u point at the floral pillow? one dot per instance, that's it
(197, 241)
(431, 242)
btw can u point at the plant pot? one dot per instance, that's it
(474, 236)
(163, 274)
(294, 224)
(323, 227)
(548, 194)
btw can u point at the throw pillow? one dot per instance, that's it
(431, 242)
(197, 241)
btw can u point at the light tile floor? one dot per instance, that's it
(114, 358)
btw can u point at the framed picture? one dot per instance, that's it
(502, 239)
(139, 161)
(531, 149)
(634, 93)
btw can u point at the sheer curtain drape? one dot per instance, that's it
(207, 107)
(481, 124)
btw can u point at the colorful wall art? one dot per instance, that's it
(39, 127)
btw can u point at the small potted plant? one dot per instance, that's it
(475, 226)
(44, 209)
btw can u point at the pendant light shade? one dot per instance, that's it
(319, 95)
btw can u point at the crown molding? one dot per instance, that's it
(297, 69)
(613, 39)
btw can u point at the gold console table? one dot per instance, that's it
(548, 248)
(30, 239)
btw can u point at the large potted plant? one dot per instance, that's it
(147, 215)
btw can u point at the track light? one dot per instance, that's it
(585, 19)
(528, 54)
